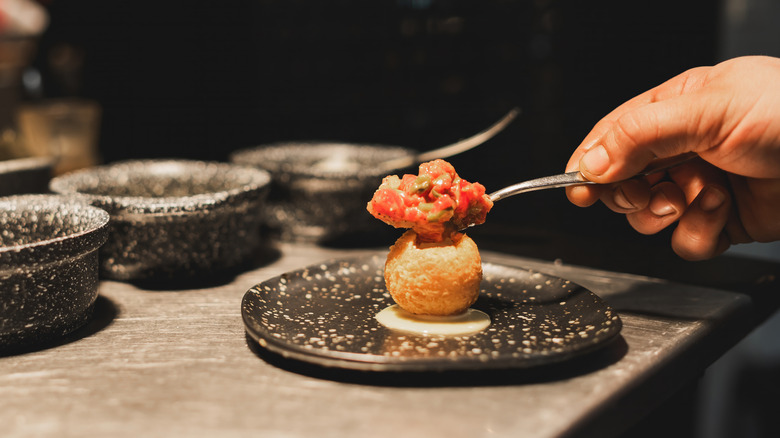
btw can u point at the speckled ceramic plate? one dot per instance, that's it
(325, 315)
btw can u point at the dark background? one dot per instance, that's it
(202, 79)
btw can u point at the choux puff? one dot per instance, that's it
(434, 278)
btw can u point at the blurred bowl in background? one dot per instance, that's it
(173, 217)
(320, 189)
(48, 266)
(25, 175)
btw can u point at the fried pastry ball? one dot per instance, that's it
(434, 278)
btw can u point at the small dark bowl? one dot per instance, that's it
(172, 218)
(25, 175)
(48, 266)
(320, 190)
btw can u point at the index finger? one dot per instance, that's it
(681, 84)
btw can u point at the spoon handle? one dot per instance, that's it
(545, 182)
(576, 179)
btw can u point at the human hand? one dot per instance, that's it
(728, 114)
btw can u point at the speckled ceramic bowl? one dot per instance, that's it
(48, 266)
(173, 218)
(320, 190)
(25, 175)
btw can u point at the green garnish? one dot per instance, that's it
(436, 215)
(421, 184)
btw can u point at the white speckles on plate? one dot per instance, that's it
(326, 315)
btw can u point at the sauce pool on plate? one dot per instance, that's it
(469, 322)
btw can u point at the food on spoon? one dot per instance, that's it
(434, 203)
(432, 269)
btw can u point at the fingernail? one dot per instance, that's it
(660, 205)
(711, 198)
(620, 199)
(595, 161)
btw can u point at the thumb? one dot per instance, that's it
(655, 130)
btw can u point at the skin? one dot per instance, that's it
(729, 114)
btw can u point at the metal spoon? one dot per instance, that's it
(452, 149)
(576, 179)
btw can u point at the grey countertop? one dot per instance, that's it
(157, 362)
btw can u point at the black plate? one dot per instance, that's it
(325, 314)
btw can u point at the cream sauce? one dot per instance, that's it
(467, 323)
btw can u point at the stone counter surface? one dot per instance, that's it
(162, 363)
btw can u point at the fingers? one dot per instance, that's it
(635, 139)
(684, 83)
(583, 196)
(636, 195)
(758, 209)
(627, 197)
(701, 229)
(705, 211)
(700, 233)
(621, 118)
(657, 130)
(695, 198)
(705, 227)
(665, 206)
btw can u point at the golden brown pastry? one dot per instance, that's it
(434, 278)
